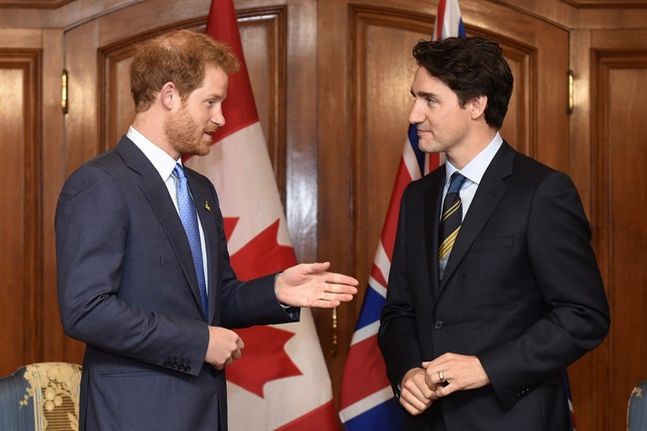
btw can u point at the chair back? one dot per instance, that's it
(41, 397)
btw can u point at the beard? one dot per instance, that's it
(186, 137)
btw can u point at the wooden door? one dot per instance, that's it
(30, 143)
(20, 231)
(615, 67)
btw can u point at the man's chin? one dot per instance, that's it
(203, 150)
(428, 148)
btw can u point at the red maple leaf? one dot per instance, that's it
(264, 358)
(262, 255)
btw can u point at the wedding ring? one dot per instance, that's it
(441, 376)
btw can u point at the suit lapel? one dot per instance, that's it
(161, 204)
(489, 192)
(206, 209)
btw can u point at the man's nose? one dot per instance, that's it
(218, 118)
(416, 116)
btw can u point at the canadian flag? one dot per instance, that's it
(281, 382)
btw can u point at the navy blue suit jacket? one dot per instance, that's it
(521, 291)
(127, 288)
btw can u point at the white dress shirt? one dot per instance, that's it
(473, 172)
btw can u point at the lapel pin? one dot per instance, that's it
(206, 206)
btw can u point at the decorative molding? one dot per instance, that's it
(607, 4)
(275, 19)
(33, 4)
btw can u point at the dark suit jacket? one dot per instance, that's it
(127, 288)
(521, 291)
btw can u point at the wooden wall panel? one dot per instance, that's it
(608, 151)
(620, 197)
(382, 69)
(55, 342)
(518, 128)
(263, 34)
(537, 50)
(334, 166)
(20, 233)
(82, 138)
(627, 202)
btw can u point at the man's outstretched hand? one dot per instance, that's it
(311, 285)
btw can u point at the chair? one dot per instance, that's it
(41, 397)
(637, 408)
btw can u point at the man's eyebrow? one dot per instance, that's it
(423, 94)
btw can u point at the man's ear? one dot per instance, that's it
(169, 95)
(477, 106)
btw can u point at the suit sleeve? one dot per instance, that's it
(398, 334)
(563, 263)
(92, 234)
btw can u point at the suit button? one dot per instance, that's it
(439, 324)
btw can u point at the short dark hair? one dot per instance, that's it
(471, 67)
(181, 57)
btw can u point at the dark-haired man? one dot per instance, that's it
(143, 270)
(493, 288)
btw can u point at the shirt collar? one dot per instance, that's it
(476, 167)
(163, 163)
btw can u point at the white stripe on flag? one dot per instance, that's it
(377, 287)
(366, 404)
(411, 161)
(365, 332)
(452, 18)
(382, 262)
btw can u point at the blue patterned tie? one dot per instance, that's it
(450, 222)
(189, 218)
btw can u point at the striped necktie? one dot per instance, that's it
(450, 222)
(189, 218)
